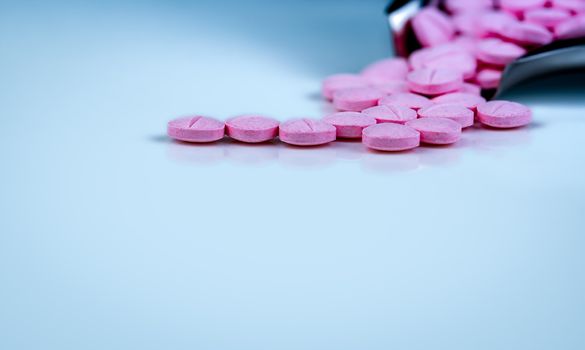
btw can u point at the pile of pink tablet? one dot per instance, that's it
(396, 104)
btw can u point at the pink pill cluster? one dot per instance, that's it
(430, 97)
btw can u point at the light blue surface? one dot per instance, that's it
(113, 237)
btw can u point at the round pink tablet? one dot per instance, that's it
(571, 28)
(489, 78)
(391, 114)
(474, 6)
(252, 128)
(463, 116)
(493, 22)
(517, 7)
(339, 82)
(432, 27)
(466, 24)
(525, 33)
(390, 137)
(386, 70)
(196, 129)
(349, 124)
(434, 81)
(356, 99)
(437, 131)
(391, 87)
(504, 114)
(447, 57)
(307, 132)
(547, 17)
(498, 52)
(466, 100)
(407, 99)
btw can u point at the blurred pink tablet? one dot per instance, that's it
(525, 33)
(470, 89)
(432, 27)
(349, 124)
(386, 70)
(307, 132)
(464, 116)
(498, 52)
(196, 129)
(437, 131)
(547, 17)
(466, 24)
(489, 78)
(517, 7)
(571, 28)
(434, 81)
(407, 99)
(447, 57)
(493, 22)
(466, 100)
(340, 82)
(390, 137)
(391, 114)
(391, 87)
(504, 114)
(473, 6)
(252, 128)
(357, 99)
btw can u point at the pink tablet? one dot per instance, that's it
(386, 70)
(517, 7)
(526, 33)
(252, 128)
(437, 131)
(467, 100)
(349, 124)
(489, 78)
(445, 57)
(547, 17)
(409, 100)
(464, 116)
(390, 137)
(504, 114)
(391, 114)
(196, 129)
(307, 132)
(571, 28)
(434, 81)
(498, 52)
(357, 99)
(432, 27)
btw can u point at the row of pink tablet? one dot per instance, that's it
(385, 128)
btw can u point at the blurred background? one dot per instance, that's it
(114, 237)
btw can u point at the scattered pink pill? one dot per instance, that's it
(386, 70)
(571, 28)
(469, 88)
(434, 81)
(504, 114)
(390, 137)
(517, 7)
(432, 27)
(494, 22)
(489, 78)
(339, 82)
(473, 6)
(252, 128)
(349, 124)
(356, 99)
(525, 33)
(391, 114)
(498, 52)
(466, 24)
(462, 115)
(391, 87)
(437, 131)
(406, 99)
(466, 100)
(547, 17)
(447, 57)
(307, 132)
(196, 129)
